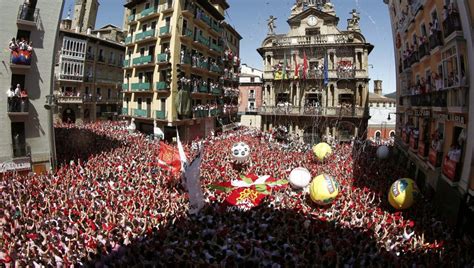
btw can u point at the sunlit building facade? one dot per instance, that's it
(177, 66)
(434, 53)
(26, 137)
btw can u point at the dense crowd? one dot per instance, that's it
(114, 206)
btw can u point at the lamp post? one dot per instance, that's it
(51, 104)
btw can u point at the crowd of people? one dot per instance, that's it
(110, 204)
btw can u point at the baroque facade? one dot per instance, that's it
(316, 76)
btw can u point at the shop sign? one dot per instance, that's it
(457, 118)
(422, 113)
(15, 165)
(441, 117)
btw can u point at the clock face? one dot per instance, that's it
(312, 20)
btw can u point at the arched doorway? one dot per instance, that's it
(69, 116)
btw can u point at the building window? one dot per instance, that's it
(377, 135)
(18, 139)
(139, 103)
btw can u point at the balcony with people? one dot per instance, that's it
(230, 59)
(452, 21)
(435, 154)
(17, 101)
(20, 53)
(451, 163)
(436, 36)
(345, 69)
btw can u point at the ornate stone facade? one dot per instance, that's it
(315, 76)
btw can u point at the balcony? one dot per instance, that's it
(131, 18)
(20, 59)
(423, 147)
(125, 87)
(27, 16)
(423, 50)
(70, 99)
(126, 63)
(313, 111)
(251, 96)
(141, 87)
(124, 110)
(216, 69)
(17, 106)
(143, 60)
(162, 57)
(451, 170)
(160, 115)
(128, 40)
(216, 48)
(345, 74)
(314, 40)
(436, 40)
(162, 86)
(203, 89)
(432, 99)
(215, 112)
(199, 113)
(140, 113)
(165, 31)
(216, 91)
(203, 18)
(147, 12)
(186, 59)
(202, 65)
(458, 99)
(216, 27)
(20, 149)
(187, 34)
(451, 25)
(434, 158)
(188, 10)
(202, 40)
(166, 8)
(145, 35)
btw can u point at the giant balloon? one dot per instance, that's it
(299, 177)
(323, 189)
(322, 150)
(382, 152)
(402, 193)
(240, 151)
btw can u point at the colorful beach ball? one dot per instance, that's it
(299, 177)
(322, 150)
(402, 193)
(323, 189)
(240, 151)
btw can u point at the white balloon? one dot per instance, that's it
(383, 152)
(299, 177)
(240, 151)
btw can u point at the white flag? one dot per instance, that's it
(182, 155)
(192, 175)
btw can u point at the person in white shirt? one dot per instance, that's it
(11, 100)
(18, 91)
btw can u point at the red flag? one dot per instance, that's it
(168, 158)
(305, 65)
(296, 68)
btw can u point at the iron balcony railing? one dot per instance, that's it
(315, 39)
(313, 111)
(26, 13)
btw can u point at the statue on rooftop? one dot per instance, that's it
(271, 25)
(297, 7)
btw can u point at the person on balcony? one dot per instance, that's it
(11, 99)
(454, 153)
(13, 45)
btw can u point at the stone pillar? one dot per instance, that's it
(356, 132)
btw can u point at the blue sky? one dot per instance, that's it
(249, 18)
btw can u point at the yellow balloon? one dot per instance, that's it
(322, 150)
(402, 193)
(323, 189)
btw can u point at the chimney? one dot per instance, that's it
(378, 87)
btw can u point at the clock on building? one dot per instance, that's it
(312, 20)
